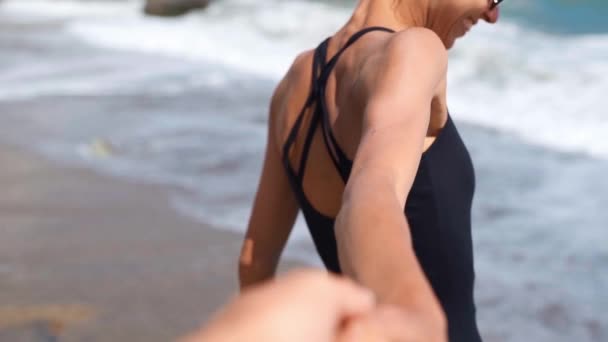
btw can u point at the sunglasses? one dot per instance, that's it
(495, 3)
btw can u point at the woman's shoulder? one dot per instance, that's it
(291, 92)
(416, 45)
(300, 69)
(294, 76)
(419, 36)
(416, 54)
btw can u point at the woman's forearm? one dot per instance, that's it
(375, 249)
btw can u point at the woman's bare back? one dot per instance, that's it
(345, 102)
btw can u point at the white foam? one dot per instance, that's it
(262, 40)
(103, 75)
(546, 89)
(43, 10)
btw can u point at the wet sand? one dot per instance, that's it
(86, 257)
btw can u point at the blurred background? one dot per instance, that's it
(131, 146)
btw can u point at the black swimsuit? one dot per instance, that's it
(438, 208)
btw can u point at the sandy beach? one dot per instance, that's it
(90, 258)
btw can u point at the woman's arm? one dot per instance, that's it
(274, 210)
(374, 242)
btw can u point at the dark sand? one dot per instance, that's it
(90, 258)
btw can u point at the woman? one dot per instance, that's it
(359, 130)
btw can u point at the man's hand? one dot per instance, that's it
(302, 306)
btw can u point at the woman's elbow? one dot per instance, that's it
(253, 267)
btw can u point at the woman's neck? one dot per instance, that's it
(394, 14)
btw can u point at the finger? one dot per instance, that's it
(339, 296)
(350, 299)
(336, 297)
(397, 324)
(360, 329)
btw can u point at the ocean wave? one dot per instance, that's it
(544, 88)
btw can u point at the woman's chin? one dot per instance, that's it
(449, 43)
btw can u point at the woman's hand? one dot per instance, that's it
(390, 324)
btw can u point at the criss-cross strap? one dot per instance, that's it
(339, 158)
(320, 73)
(318, 62)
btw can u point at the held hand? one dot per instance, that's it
(314, 306)
(302, 306)
(389, 324)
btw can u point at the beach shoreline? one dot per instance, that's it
(91, 257)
